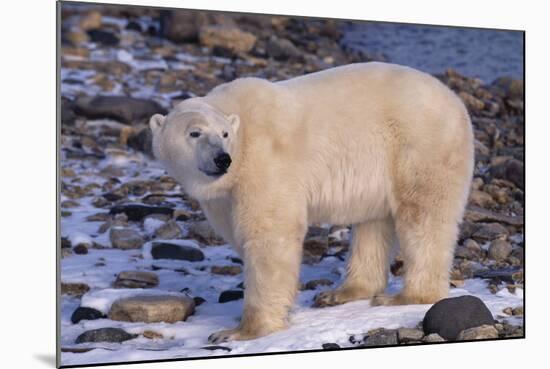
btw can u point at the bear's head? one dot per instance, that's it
(197, 145)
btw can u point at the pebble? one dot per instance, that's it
(381, 337)
(152, 309)
(136, 279)
(226, 270)
(152, 335)
(125, 238)
(168, 231)
(227, 37)
(450, 316)
(478, 333)
(116, 335)
(80, 249)
(330, 346)
(433, 337)
(490, 231)
(406, 335)
(136, 212)
(74, 289)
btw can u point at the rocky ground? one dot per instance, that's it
(144, 277)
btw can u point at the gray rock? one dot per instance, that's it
(406, 335)
(477, 214)
(105, 335)
(151, 309)
(282, 49)
(121, 108)
(433, 337)
(169, 230)
(490, 231)
(381, 337)
(448, 317)
(166, 250)
(478, 333)
(125, 238)
(499, 250)
(136, 279)
(511, 170)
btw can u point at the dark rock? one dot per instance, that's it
(166, 250)
(142, 141)
(511, 170)
(198, 300)
(450, 316)
(136, 212)
(213, 348)
(180, 26)
(381, 337)
(230, 295)
(330, 346)
(136, 279)
(86, 313)
(105, 38)
(65, 243)
(121, 108)
(501, 274)
(116, 335)
(67, 112)
(80, 249)
(313, 284)
(134, 26)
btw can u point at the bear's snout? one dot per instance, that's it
(222, 161)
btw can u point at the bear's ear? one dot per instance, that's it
(235, 121)
(156, 122)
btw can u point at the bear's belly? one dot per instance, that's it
(350, 201)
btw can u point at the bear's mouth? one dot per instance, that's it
(215, 174)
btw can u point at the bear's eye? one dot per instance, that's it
(195, 134)
(225, 134)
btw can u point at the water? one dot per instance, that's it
(481, 53)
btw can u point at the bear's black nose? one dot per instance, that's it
(223, 161)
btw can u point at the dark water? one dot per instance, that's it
(481, 53)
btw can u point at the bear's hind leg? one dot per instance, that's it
(367, 269)
(427, 243)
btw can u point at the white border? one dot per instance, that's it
(28, 180)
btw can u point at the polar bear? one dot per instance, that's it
(383, 147)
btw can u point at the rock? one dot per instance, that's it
(77, 37)
(227, 270)
(282, 49)
(168, 231)
(124, 109)
(102, 37)
(136, 212)
(115, 335)
(509, 87)
(125, 238)
(198, 300)
(313, 284)
(482, 199)
(136, 279)
(433, 337)
(330, 346)
(90, 20)
(478, 333)
(152, 309)
(381, 337)
(518, 311)
(230, 295)
(166, 250)
(406, 335)
(499, 250)
(314, 248)
(203, 232)
(501, 274)
(74, 289)
(142, 141)
(227, 37)
(181, 25)
(490, 231)
(472, 103)
(152, 335)
(476, 214)
(86, 313)
(67, 112)
(214, 348)
(448, 317)
(511, 170)
(80, 249)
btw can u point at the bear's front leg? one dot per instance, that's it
(271, 281)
